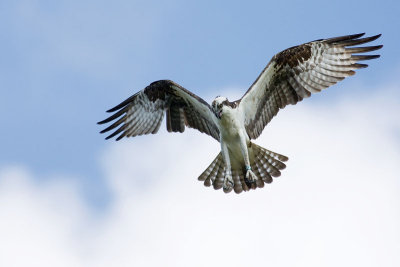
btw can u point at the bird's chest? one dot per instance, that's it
(230, 126)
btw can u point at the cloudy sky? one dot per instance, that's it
(69, 198)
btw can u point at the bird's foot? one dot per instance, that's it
(228, 182)
(250, 176)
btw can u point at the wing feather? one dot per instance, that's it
(299, 71)
(143, 112)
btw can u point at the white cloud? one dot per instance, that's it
(336, 204)
(37, 222)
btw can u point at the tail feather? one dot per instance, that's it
(218, 179)
(214, 174)
(239, 185)
(263, 176)
(274, 154)
(265, 165)
(206, 175)
(221, 171)
(268, 164)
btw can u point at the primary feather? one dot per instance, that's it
(299, 71)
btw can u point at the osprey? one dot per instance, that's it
(290, 76)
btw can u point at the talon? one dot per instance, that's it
(250, 176)
(228, 182)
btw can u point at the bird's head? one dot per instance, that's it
(220, 104)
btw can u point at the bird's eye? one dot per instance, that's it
(220, 106)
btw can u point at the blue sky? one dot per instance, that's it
(64, 63)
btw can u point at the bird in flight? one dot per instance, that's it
(290, 76)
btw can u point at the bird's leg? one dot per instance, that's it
(250, 176)
(228, 181)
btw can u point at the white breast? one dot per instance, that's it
(231, 126)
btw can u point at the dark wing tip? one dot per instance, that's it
(344, 38)
(359, 66)
(123, 104)
(357, 35)
(121, 110)
(120, 129)
(114, 116)
(374, 37)
(114, 108)
(364, 57)
(103, 121)
(363, 49)
(351, 40)
(377, 36)
(121, 136)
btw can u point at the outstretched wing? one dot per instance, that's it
(143, 112)
(296, 72)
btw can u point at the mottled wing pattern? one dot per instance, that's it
(296, 72)
(143, 112)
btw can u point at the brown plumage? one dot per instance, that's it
(299, 71)
(143, 112)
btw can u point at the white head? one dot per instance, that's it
(219, 104)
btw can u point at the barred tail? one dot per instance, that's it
(215, 173)
(265, 164)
